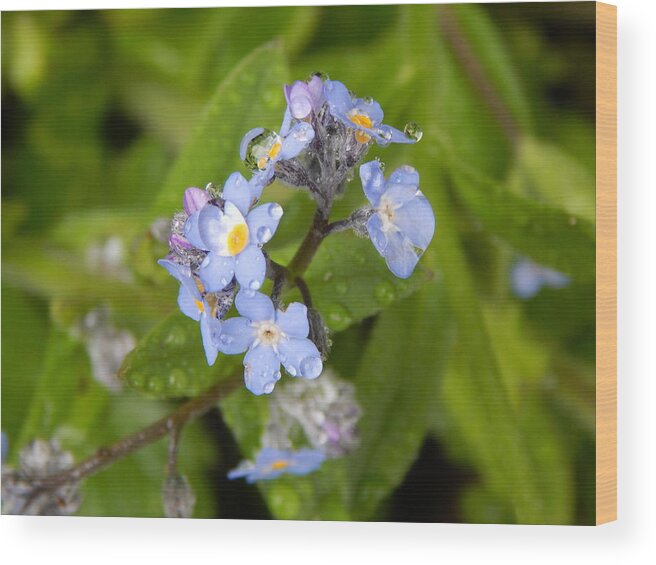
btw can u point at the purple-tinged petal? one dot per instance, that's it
(238, 191)
(299, 99)
(300, 357)
(298, 138)
(376, 234)
(373, 181)
(263, 222)
(194, 199)
(416, 220)
(254, 306)
(236, 336)
(400, 255)
(216, 272)
(250, 268)
(261, 370)
(294, 320)
(315, 88)
(210, 330)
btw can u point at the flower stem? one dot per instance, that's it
(170, 424)
(315, 235)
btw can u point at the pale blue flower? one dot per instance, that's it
(402, 223)
(273, 147)
(528, 278)
(270, 463)
(192, 303)
(271, 337)
(233, 236)
(365, 116)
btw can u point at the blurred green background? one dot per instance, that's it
(478, 406)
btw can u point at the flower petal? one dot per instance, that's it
(405, 175)
(400, 255)
(338, 98)
(187, 304)
(257, 183)
(194, 199)
(300, 357)
(236, 336)
(248, 137)
(416, 221)
(376, 234)
(254, 305)
(209, 227)
(191, 229)
(263, 222)
(237, 191)
(371, 109)
(298, 138)
(210, 329)
(294, 320)
(250, 267)
(388, 134)
(216, 272)
(373, 181)
(306, 461)
(261, 369)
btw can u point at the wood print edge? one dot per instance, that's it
(606, 287)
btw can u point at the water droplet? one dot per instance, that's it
(275, 211)
(381, 164)
(311, 367)
(338, 318)
(277, 376)
(264, 234)
(205, 262)
(385, 134)
(341, 287)
(177, 337)
(413, 131)
(255, 284)
(327, 275)
(224, 281)
(292, 370)
(321, 74)
(226, 339)
(368, 100)
(385, 293)
(350, 175)
(259, 150)
(268, 388)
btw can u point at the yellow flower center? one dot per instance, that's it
(364, 121)
(237, 239)
(271, 154)
(280, 464)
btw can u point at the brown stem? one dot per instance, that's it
(187, 412)
(315, 235)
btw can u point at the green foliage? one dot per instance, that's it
(111, 114)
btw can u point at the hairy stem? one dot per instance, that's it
(171, 424)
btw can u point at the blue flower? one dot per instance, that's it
(271, 337)
(403, 222)
(304, 98)
(365, 116)
(233, 236)
(192, 303)
(270, 463)
(528, 278)
(264, 148)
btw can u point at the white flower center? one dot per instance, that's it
(267, 333)
(387, 212)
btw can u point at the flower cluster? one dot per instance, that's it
(216, 243)
(322, 412)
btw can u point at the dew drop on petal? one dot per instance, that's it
(292, 370)
(275, 211)
(255, 284)
(368, 100)
(264, 234)
(268, 388)
(321, 74)
(413, 131)
(259, 150)
(311, 367)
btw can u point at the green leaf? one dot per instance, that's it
(170, 362)
(396, 382)
(250, 96)
(549, 235)
(349, 281)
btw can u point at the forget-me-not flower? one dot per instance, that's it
(403, 222)
(192, 303)
(262, 148)
(270, 463)
(233, 236)
(271, 337)
(304, 98)
(365, 116)
(528, 278)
